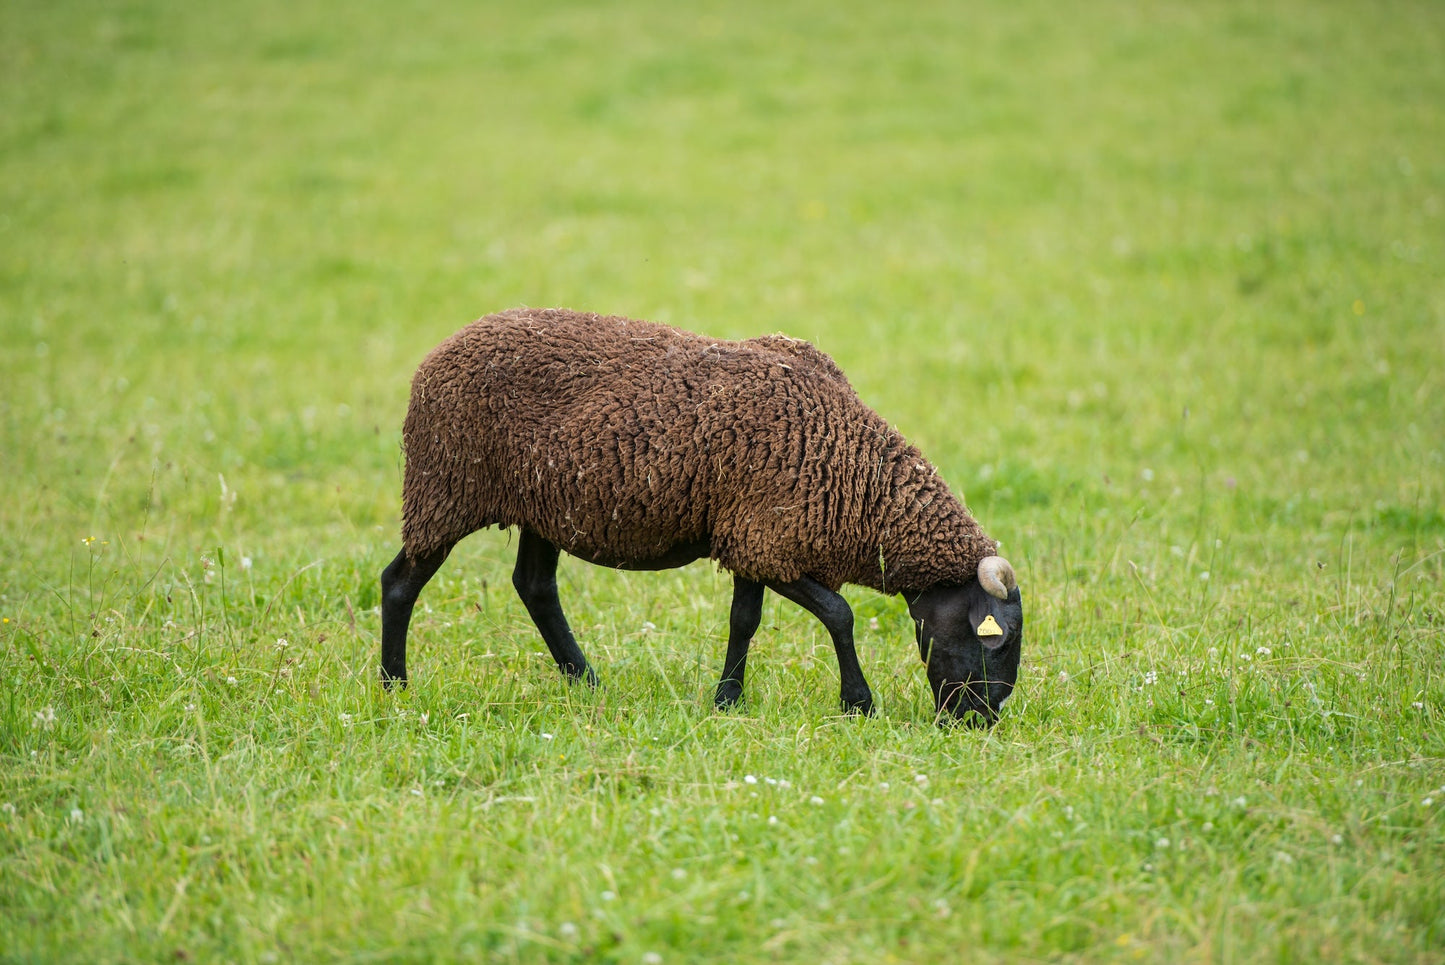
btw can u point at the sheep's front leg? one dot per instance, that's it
(535, 578)
(401, 583)
(835, 614)
(747, 613)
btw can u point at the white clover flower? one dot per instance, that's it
(651, 958)
(1240, 802)
(815, 800)
(1263, 651)
(772, 820)
(884, 785)
(416, 792)
(1063, 676)
(546, 736)
(1418, 705)
(1162, 844)
(567, 930)
(245, 562)
(1151, 678)
(920, 778)
(231, 681)
(609, 896)
(45, 718)
(1337, 839)
(1427, 802)
(76, 815)
(679, 873)
(282, 643)
(749, 779)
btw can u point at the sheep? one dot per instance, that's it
(640, 446)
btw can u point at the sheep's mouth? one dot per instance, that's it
(965, 703)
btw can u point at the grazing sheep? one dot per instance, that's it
(639, 446)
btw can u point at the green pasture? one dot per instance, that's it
(1159, 287)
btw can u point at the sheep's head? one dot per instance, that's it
(969, 637)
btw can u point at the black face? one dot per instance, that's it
(971, 667)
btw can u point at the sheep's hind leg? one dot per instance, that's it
(747, 613)
(835, 614)
(401, 583)
(535, 578)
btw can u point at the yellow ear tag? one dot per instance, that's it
(989, 627)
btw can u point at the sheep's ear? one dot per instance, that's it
(996, 576)
(990, 622)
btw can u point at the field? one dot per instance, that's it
(1160, 289)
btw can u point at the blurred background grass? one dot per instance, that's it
(1194, 239)
(1157, 286)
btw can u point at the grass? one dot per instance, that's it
(1158, 288)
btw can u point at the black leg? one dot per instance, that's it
(837, 617)
(535, 578)
(747, 613)
(401, 584)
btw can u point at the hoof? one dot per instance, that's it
(728, 694)
(862, 706)
(586, 675)
(392, 682)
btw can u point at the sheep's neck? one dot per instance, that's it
(926, 536)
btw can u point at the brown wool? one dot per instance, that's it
(629, 443)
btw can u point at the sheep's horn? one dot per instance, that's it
(996, 576)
